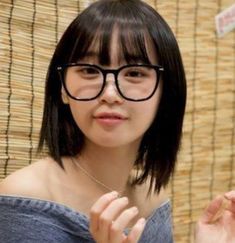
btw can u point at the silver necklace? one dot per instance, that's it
(94, 179)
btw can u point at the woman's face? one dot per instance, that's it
(110, 120)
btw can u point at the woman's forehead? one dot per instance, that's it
(121, 48)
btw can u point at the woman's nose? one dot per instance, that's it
(110, 93)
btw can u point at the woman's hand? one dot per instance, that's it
(109, 217)
(217, 224)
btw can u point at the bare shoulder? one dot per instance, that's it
(30, 181)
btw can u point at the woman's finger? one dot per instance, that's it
(122, 221)
(98, 208)
(136, 231)
(230, 195)
(230, 206)
(108, 216)
(212, 210)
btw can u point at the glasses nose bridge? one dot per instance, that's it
(112, 71)
(111, 84)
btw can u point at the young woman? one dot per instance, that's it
(114, 106)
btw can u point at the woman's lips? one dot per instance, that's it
(110, 119)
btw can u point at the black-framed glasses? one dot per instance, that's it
(134, 82)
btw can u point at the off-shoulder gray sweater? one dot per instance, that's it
(31, 220)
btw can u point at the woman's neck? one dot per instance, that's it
(110, 166)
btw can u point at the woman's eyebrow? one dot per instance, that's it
(89, 55)
(130, 58)
(136, 59)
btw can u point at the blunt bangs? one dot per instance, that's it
(113, 16)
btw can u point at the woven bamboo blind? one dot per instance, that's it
(29, 31)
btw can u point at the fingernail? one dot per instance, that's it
(114, 194)
(142, 221)
(125, 199)
(134, 209)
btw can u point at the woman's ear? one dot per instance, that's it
(64, 97)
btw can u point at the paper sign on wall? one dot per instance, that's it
(225, 21)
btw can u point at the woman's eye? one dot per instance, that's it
(135, 74)
(89, 71)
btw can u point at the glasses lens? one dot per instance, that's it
(137, 82)
(83, 81)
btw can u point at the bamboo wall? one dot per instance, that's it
(29, 30)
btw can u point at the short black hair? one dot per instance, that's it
(134, 19)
